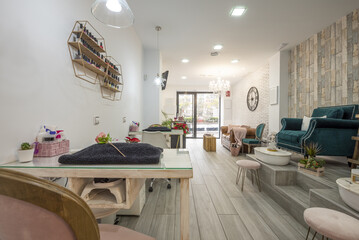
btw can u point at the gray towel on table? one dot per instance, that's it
(136, 153)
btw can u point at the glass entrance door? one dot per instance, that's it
(201, 111)
(185, 109)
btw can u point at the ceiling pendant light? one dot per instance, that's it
(159, 81)
(113, 13)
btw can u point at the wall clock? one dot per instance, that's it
(252, 98)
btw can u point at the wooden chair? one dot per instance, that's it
(254, 142)
(33, 208)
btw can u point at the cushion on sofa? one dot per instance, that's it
(251, 132)
(290, 135)
(338, 112)
(329, 112)
(306, 122)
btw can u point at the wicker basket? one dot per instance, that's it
(50, 149)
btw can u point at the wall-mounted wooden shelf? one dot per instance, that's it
(109, 83)
(90, 41)
(90, 61)
(88, 53)
(89, 66)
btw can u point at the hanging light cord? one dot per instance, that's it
(158, 29)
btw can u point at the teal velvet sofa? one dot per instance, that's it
(333, 133)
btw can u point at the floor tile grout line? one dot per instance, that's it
(194, 206)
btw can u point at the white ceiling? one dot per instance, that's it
(190, 28)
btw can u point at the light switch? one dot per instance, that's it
(96, 120)
(124, 119)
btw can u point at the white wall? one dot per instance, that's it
(278, 77)
(240, 112)
(274, 81)
(37, 82)
(151, 92)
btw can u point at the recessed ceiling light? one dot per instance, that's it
(185, 60)
(218, 47)
(184, 77)
(235, 61)
(238, 11)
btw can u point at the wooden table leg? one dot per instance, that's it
(184, 209)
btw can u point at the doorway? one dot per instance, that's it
(201, 111)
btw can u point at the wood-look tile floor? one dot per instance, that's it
(218, 208)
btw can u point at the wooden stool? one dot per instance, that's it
(209, 143)
(331, 224)
(243, 166)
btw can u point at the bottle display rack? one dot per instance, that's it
(90, 62)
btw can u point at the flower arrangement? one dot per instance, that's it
(181, 126)
(102, 138)
(167, 122)
(310, 161)
(132, 140)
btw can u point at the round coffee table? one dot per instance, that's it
(278, 157)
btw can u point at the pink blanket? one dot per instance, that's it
(239, 134)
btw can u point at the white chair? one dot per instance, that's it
(156, 139)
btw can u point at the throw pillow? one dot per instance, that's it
(306, 121)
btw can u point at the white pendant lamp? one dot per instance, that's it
(113, 13)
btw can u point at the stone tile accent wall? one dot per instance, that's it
(324, 69)
(240, 112)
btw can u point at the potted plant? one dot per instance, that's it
(167, 122)
(310, 164)
(26, 152)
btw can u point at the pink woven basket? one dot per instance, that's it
(134, 128)
(50, 149)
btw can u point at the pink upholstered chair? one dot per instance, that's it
(33, 208)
